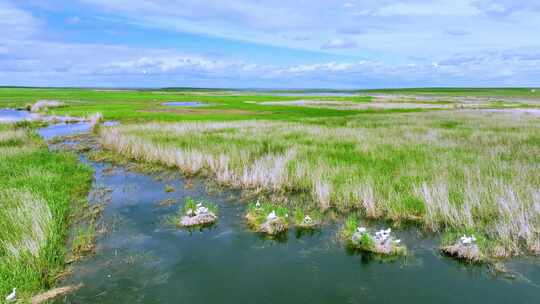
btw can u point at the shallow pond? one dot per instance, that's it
(10, 115)
(60, 128)
(183, 104)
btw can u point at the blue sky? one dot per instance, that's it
(270, 44)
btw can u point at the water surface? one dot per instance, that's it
(64, 129)
(10, 115)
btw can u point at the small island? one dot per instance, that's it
(267, 218)
(380, 242)
(197, 214)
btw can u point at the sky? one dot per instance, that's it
(351, 44)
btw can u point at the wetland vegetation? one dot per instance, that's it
(465, 170)
(40, 192)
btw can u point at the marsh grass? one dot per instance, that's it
(37, 190)
(447, 170)
(84, 241)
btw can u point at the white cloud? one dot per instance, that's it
(16, 23)
(429, 8)
(339, 44)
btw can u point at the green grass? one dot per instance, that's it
(84, 240)
(140, 106)
(38, 190)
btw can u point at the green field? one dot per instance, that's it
(453, 167)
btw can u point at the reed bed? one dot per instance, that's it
(461, 170)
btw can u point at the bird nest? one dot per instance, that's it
(381, 242)
(270, 225)
(201, 219)
(467, 252)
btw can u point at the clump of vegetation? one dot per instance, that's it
(166, 202)
(169, 189)
(381, 242)
(267, 218)
(467, 248)
(307, 220)
(84, 241)
(40, 189)
(42, 105)
(197, 213)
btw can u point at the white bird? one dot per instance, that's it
(12, 296)
(272, 216)
(382, 235)
(258, 204)
(201, 210)
(467, 240)
(361, 229)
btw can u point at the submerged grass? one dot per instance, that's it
(447, 170)
(37, 191)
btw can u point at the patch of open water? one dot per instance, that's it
(64, 129)
(10, 115)
(61, 128)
